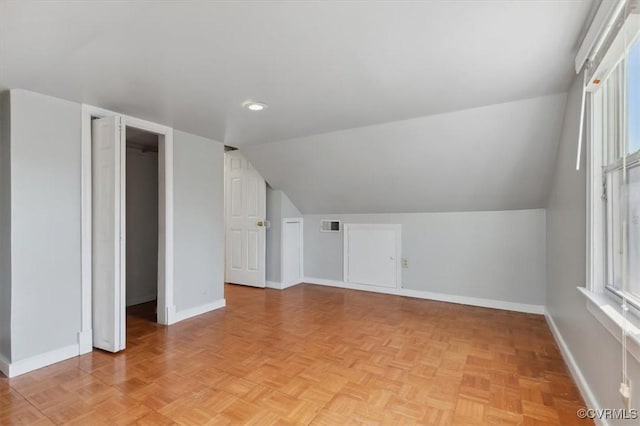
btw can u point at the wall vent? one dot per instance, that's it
(327, 225)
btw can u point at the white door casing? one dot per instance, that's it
(372, 254)
(245, 211)
(108, 315)
(166, 306)
(292, 252)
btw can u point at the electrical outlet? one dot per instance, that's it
(405, 263)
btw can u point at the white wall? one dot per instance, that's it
(45, 223)
(5, 229)
(45, 282)
(288, 209)
(279, 207)
(142, 226)
(198, 220)
(497, 157)
(491, 255)
(596, 351)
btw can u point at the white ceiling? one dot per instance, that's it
(498, 157)
(321, 66)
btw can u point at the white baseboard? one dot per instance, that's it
(198, 310)
(419, 294)
(85, 341)
(475, 301)
(274, 284)
(291, 284)
(141, 299)
(281, 286)
(35, 362)
(169, 317)
(4, 366)
(578, 377)
(84, 345)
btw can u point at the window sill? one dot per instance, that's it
(609, 314)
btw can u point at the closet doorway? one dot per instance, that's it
(127, 230)
(141, 227)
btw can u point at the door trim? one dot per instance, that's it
(282, 250)
(166, 306)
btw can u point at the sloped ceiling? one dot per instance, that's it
(321, 66)
(498, 157)
(373, 106)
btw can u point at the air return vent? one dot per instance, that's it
(327, 225)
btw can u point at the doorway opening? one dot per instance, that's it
(141, 224)
(127, 188)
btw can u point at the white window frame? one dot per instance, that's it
(603, 303)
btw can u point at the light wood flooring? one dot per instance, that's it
(311, 355)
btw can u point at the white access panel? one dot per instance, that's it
(372, 254)
(292, 246)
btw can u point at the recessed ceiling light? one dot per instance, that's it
(254, 106)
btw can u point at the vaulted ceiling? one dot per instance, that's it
(498, 157)
(320, 66)
(440, 105)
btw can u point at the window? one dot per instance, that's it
(615, 161)
(612, 80)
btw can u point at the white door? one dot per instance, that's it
(245, 201)
(108, 310)
(372, 254)
(291, 251)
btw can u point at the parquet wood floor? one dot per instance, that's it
(311, 355)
